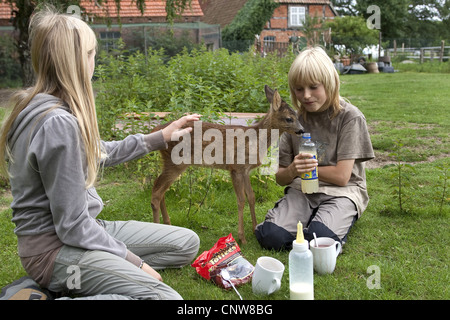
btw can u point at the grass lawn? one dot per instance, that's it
(410, 248)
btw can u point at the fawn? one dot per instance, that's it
(281, 117)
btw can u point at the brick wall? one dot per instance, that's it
(278, 25)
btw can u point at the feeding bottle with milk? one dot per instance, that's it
(310, 180)
(301, 281)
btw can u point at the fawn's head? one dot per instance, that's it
(281, 115)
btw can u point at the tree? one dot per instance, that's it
(22, 10)
(428, 22)
(421, 21)
(393, 13)
(345, 7)
(312, 28)
(429, 9)
(350, 34)
(249, 21)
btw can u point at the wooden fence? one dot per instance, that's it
(266, 47)
(440, 53)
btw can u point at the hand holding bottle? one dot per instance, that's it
(304, 162)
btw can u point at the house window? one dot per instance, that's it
(109, 40)
(296, 16)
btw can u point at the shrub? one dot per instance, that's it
(206, 82)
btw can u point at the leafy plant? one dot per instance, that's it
(443, 176)
(401, 176)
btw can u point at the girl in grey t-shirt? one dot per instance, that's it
(340, 131)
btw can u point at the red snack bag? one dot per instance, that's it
(224, 254)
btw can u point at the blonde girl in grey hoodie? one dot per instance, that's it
(53, 150)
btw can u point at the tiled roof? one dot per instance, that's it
(128, 9)
(220, 11)
(5, 11)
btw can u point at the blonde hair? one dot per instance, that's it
(311, 67)
(61, 46)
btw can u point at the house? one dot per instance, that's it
(285, 24)
(288, 19)
(129, 23)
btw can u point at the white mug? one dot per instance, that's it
(267, 276)
(325, 254)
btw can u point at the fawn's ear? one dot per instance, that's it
(276, 101)
(273, 97)
(269, 93)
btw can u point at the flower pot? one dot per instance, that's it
(345, 62)
(372, 67)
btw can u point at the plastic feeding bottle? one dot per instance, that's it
(301, 280)
(310, 180)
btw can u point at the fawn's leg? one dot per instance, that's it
(238, 183)
(162, 183)
(250, 198)
(164, 213)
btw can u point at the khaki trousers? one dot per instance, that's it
(101, 275)
(325, 215)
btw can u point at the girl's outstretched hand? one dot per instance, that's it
(173, 131)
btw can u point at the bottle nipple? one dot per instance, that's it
(300, 237)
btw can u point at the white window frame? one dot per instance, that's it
(297, 15)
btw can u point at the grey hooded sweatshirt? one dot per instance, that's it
(51, 205)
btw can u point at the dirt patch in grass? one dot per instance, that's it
(380, 160)
(4, 202)
(419, 142)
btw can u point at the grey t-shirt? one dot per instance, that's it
(342, 138)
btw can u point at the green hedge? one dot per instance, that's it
(206, 82)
